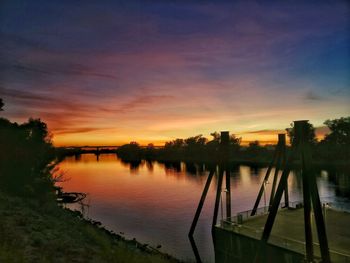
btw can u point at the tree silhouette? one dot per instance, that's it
(336, 145)
(130, 152)
(340, 131)
(26, 152)
(234, 142)
(1, 104)
(311, 137)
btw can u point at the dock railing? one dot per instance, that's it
(236, 224)
(283, 242)
(240, 217)
(245, 215)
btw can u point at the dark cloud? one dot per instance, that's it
(42, 101)
(124, 61)
(313, 96)
(61, 69)
(67, 130)
(11, 42)
(16, 49)
(144, 101)
(266, 132)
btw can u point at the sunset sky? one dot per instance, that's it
(111, 72)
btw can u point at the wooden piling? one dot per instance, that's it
(301, 149)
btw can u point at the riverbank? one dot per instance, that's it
(262, 157)
(32, 231)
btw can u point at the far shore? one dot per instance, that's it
(261, 161)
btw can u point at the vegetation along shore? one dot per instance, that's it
(33, 226)
(333, 149)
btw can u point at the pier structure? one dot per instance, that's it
(222, 171)
(301, 150)
(292, 232)
(221, 168)
(278, 161)
(239, 239)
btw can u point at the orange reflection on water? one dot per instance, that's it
(155, 202)
(112, 181)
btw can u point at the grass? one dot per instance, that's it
(31, 231)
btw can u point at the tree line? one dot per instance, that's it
(334, 148)
(27, 155)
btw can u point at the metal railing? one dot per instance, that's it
(245, 215)
(283, 242)
(240, 217)
(236, 224)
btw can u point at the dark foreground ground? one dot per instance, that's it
(31, 231)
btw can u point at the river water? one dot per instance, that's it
(155, 202)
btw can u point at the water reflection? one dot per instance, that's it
(155, 201)
(195, 249)
(341, 179)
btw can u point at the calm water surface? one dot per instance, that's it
(155, 203)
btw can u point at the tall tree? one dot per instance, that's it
(26, 157)
(340, 131)
(311, 136)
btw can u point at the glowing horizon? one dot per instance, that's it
(113, 72)
(264, 137)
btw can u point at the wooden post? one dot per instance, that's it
(223, 167)
(224, 153)
(273, 210)
(279, 164)
(275, 204)
(275, 177)
(312, 195)
(217, 199)
(286, 193)
(225, 157)
(228, 195)
(300, 141)
(266, 178)
(201, 202)
(300, 148)
(320, 222)
(195, 250)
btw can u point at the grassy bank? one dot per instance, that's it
(31, 231)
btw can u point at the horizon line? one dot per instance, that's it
(244, 143)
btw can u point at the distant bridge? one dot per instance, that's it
(97, 150)
(107, 147)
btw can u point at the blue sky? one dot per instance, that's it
(108, 72)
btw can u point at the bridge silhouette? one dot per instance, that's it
(97, 150)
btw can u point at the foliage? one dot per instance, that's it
(254, 146)
(311, 136)
(340, 131)
(26, 152)
(334, 148)
(131, 151)
(336, 144)
(195, 148)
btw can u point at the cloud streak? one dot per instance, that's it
(163, 70)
